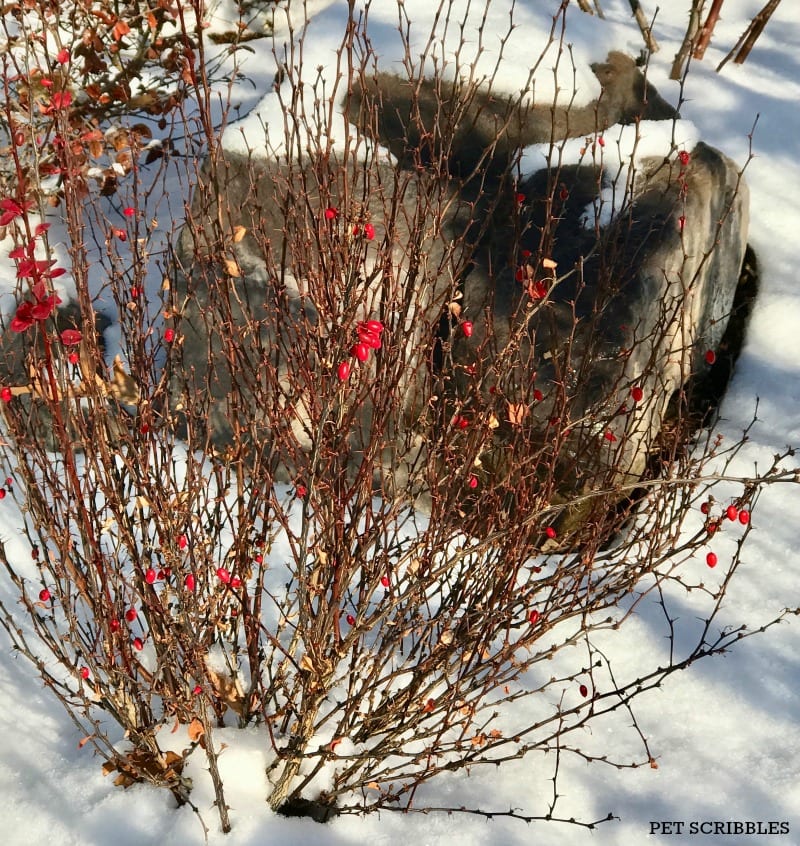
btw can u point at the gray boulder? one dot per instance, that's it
(588, 354)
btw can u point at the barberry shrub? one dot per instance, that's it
(225, 521)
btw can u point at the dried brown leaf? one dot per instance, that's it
(517, 412)
(123, 387)
(228, 689)
(195, 730)
(232, 268)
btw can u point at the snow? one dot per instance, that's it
(726, 731)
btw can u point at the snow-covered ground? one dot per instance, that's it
(725, 732)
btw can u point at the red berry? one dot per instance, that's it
(369, 231)
(637, 394)
(150, 576)
(223, 575)
(2, 493)
(460, 422)
(370, 335)
(236, 582)
(73, 358)
(710, 356)
(182, 542)
(550, 532)
(601, 141)
(258, 558)
(351, 620)
(684, 158)
(130, 615)
(197, 690)
(584, 690)
(520, 198)
(610, 436)
(138, 645)
(9, 481)
(467, 328)
(705, 507)
(189, 582)
(538, 395)
(44, 595)
(533, 617)
(301, 491)
(6, 395)
(343, 371)
(711, 559)
(744, 517)
(84, 672)
(385, 581)
(331, 213)
(360, 351)
(62, 57)
(129, 212)
(169, 335)
(473, 482)
(114, 625)
(732, 512)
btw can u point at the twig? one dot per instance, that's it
(707, 30)
(688, 39)
(644, 26)
(745, 44)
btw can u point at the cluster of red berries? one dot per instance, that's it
(331, 213)
(369, 338)
(732, 513)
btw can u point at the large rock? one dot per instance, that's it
(581, 359)
(589, 353)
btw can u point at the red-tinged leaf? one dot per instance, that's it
(120, 30)
(17, 253)
(70, 337)
(42, 310)
(40, 229)
(10, 205)
(61, 100)
(23, 319)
